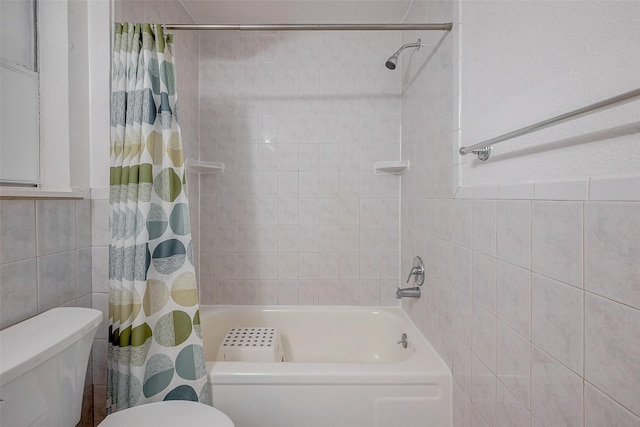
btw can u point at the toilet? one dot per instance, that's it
(43, 363)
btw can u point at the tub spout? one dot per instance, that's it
(408, 293)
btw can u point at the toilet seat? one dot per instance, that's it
(169, 413)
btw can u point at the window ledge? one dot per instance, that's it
(9, 193)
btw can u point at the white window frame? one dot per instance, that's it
(74, 48)
(53, 60)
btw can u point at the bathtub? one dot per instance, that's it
(344, 368)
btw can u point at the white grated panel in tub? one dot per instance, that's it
(251, 345)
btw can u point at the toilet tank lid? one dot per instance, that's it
(27, 344)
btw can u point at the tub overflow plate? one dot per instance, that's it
(404, 341)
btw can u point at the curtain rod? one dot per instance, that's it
(310, 27)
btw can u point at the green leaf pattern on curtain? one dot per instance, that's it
(155, 347)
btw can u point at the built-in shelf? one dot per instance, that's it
(394, 167)
(200, 166)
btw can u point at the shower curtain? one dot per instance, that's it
(155, 347)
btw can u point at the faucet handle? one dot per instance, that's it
(417, 269)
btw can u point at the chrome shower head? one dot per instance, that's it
(392, 62)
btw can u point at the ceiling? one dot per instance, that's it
(297, 11)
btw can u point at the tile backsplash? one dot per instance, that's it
(45, 257)
(546, 331)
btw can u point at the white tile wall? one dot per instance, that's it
(558, 349)
(611, 250)
(560, 326)
(484, 226)
(463, 269)
(19, 291)
(514, 362)
(56, 226)
(18, 230)
(615, 188)
(483, 390)
(510, 411)
(514, 297)
(513, 219)
(556, 392)
(462, 414)
(601, 410)
(303, 136)
(56, 286)
(564, 190)
(462, 360)
(557, 248)
(484, 281)
(557, 320)
(612, 349)
(483, 341)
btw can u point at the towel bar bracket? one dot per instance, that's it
(482, 153)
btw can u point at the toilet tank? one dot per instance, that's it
(43, 363)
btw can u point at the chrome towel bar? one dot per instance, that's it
(483, 149)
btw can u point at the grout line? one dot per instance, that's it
(556, 360)
(35, 215)
(584, 309)
(406, 13)
(611, 300)
(610, 397)
(531, 309)
(584, 398)
(181, 2)
(516, 397)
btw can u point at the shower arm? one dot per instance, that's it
(406, 46)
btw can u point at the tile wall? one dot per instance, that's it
(45, 257)
(532, 289)
(298, 216)
(543, 328)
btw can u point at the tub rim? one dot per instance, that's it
(424, 366)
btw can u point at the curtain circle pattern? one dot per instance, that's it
(155, 347)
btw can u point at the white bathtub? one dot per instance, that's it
(344, 368)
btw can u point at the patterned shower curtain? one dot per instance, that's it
(155, 345)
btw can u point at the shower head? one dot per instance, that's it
(392, 62)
